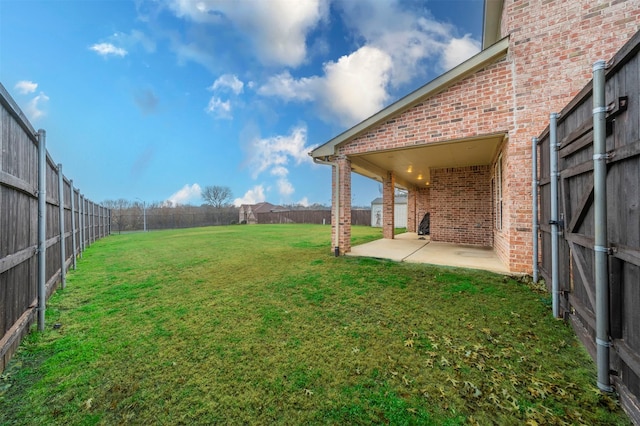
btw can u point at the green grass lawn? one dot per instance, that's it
(261, 325)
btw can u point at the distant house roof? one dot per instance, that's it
(401, 199)
(263, 207)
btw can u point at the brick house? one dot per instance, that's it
(247, 213)
(461, 144)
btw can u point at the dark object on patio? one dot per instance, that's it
(423, 229)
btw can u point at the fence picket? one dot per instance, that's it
(31, 264)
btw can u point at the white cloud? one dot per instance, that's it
(398, 44)
(284, 86)
(253, 196)
(25, 87)
(191, 52)
(277, 28)
(304, 202)
(108, 49)
(185, 195)
(355, 85)
(275, 153)
(352, 89)
(219, 108)
(119, 44)
(285, 188)
(133, 39)
(279, 171)
(459, 50)
(228, 81)
(34, 109)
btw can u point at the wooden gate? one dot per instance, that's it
(575, 201)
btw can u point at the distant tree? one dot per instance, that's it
(119, 209)
(217, 196)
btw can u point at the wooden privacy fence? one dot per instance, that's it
(358, 217)
(157, 218)
(578, 248)
(37, 246)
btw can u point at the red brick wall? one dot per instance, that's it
(553, 45)
(388, 205)
(411, 211)
(477, 105)
(344, 215)
(423, 204)
(461, 205)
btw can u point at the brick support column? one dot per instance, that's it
(388, 205)
(341, 209)
(411, 211)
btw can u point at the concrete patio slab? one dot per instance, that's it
(408, 247)
(397, 249)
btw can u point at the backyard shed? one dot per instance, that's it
(400, 212)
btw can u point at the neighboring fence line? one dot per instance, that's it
(578, 277)
(33, 264)
(358, 217)
(159, 217)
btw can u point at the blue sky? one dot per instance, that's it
(155, 99)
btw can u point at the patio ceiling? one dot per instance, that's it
(412, 165)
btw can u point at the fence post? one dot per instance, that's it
(553, 164)
(73, 224)
(81, 220)
(63, 254)
(93, 222)
(84, 223)
(42, 227)
(534, 197)
(89, 223)
(600, 248)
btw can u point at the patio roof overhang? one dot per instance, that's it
(411, 166)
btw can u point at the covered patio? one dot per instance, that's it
(413, 248)
(443, 144)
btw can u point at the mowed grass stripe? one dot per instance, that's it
(261, 325)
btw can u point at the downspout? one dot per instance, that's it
(534, 196)
(553, 164)
(336, 247)
(600, 218)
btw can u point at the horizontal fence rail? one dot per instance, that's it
(358, 217)
(45, 224)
